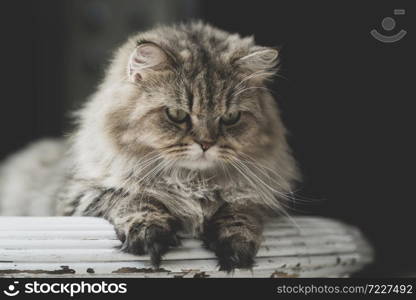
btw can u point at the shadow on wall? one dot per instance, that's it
(63, 47)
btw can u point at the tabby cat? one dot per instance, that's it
(182, 135)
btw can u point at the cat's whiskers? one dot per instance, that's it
(291, 196)
(148, 168)
(266, 175)
(265, 191)
(254, 162)
(261, 167)
(162, 166)
(154, 172)
(160, 170)
(138, 168)
(144, 164)
(286, 196)
(226, 173)
(151, 166)
(255, 176)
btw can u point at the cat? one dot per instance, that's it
(182, 135)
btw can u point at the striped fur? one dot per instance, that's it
(131, 164)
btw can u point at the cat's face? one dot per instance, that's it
(196, 114)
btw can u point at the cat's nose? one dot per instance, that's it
(205, 145)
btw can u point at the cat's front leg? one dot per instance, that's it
(148, 229)
(142, 222)
(234, 234)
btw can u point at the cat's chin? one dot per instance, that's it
(197, 164)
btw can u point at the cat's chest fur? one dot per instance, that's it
(195, 200)
(205, 196)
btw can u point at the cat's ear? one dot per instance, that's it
(260, 60)
(145, 58)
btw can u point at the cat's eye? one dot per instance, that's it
(231, 118)
(176, 115)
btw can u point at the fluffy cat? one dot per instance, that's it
(181, 135)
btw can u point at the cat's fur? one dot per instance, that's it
(148, 175)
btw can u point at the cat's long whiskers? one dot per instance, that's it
(146, 175)
(256, 177)
(260, 167)
(149, 177)
(142, 166)
(259, 164)
(293, 197)
(247, 169)
(163, 167)
(267, 176)
(264, 194)
(251, 181)
(143, 161)
(154, 172)
(226, 173)
(289, 195)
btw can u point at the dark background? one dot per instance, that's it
(346, 98)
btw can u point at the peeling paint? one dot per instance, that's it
(338, 260)
(139, 270)
(297, 267)
(201, 275)
(277, 274)
(36, 253)
(196, 273)
(64, 270)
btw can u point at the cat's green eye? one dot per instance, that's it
(176, 115)
(231, 118)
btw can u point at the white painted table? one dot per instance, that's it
(88, 247)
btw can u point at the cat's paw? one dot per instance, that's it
(235, 246)
(150, 235)
(235, 252)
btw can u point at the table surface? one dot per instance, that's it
(88, 247)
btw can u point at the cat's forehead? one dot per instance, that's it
(207, 75)
(205, 85)
(197, 45)
(203, 62)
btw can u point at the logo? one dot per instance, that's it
(389, 24)
(11, 291)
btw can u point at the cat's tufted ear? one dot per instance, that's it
(260, 60)
(145, 58)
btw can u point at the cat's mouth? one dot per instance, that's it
(196, 159)
(200, 162)
(197, 164)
